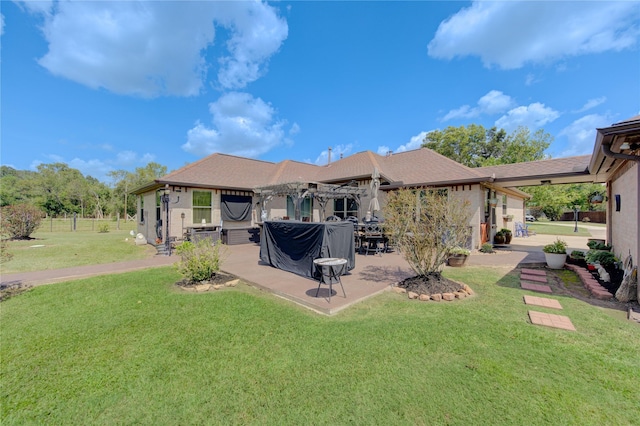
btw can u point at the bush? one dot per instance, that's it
(200, 261)
(19, 221)
(103, 228)
(460, 250)
(558, 247)
(598, 245)
(5, 256)
(487, 248)
(606, 259)
(425, 225)
(577, 254)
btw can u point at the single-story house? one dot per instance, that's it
(224, 192)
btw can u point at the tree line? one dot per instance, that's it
(476, 146)
(57, 189)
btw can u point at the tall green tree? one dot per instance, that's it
(125, 181)
(475, 146)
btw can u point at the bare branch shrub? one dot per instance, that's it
(426, 224)
(19, 221)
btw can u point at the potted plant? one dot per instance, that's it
(507, 217)
(458, 256)
(507, 235)
(499, 238)
(595, 244)
(577, 257)
(555, 254)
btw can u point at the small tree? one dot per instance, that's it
(200, 261)
(19, 221)
(426, 224)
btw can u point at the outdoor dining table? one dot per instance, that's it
(293, 245)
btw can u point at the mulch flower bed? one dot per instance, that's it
(433, 287)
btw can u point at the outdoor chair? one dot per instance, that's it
(521, 230)
(374, 239)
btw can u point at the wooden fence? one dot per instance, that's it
(73, 223)
(596, 217)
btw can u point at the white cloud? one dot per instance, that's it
(151, 49)
(242, 125)
(494, 102)
(336, 152)
(592, 103)
(581, 134)
(509, 33)
(295, 129)
(383, 150)
(533, 116)
(96, 168)
(414, 143)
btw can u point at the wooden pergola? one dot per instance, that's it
(320, 192)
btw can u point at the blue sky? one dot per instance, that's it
(104, 86)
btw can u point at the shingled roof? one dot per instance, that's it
(556, 170)
(420, 167)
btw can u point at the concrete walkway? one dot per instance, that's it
(372, 275)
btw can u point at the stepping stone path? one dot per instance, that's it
(529, 279)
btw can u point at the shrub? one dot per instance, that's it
(20, 221)
(558, 247)
(425, 224)
(606, 259)
(200, 261)
(460, 250)
(487, 248)
(577, 254)
(5, 256)
(598, 245)
(103, 228)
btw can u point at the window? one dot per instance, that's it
(305, 208)
(345, 207)
(201, 206)
(141, 218)
(158, 199)
(504, 205)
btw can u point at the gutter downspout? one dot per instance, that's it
(606, 150)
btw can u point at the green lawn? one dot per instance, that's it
(131, 349)
(53, 250)
(557, 228)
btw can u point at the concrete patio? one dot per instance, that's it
(372, 274)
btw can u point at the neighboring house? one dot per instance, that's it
(615, 158)
(221, 190)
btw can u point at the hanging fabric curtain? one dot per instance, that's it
(236, 207)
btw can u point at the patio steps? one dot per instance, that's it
(536, 280)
